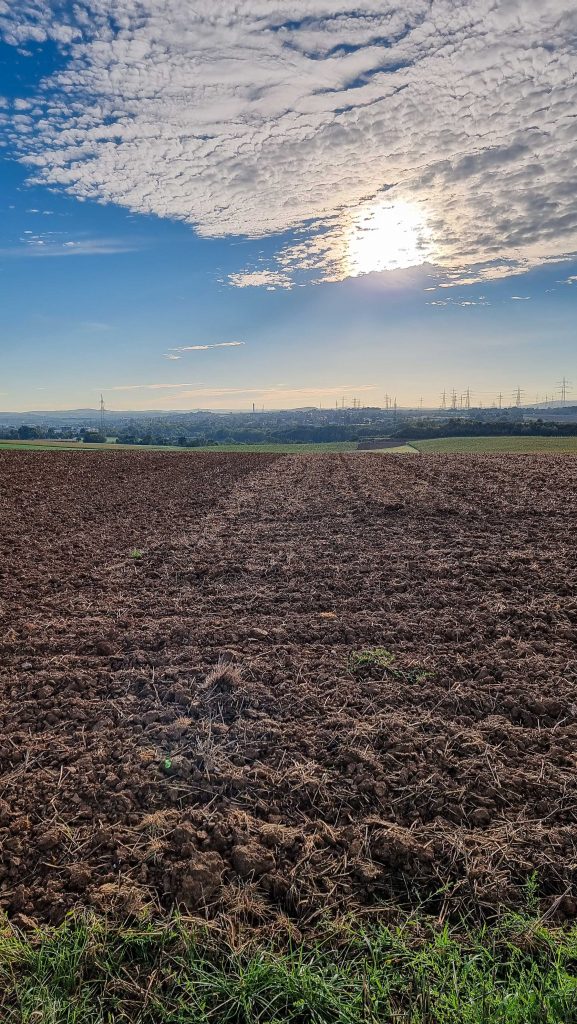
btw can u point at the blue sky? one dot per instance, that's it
(205, 205)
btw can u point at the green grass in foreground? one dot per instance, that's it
(518, 972)
(499, 445)
(67, 446)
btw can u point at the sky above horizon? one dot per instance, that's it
(217, 203)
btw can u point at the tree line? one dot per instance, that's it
(421, 430)
(196, 431)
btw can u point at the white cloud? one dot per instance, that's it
(253, 117)
(205, 348)
(520, 298)
(269, 279)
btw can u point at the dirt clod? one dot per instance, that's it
(202, 878)
(252, 859)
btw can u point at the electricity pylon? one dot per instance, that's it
(563, 387)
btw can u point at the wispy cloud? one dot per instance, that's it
(148, 387)
(54, 244)
(275, 393)
(97, 326)
(242, 117)
(205, 348)
(462, 303)
(176, 353)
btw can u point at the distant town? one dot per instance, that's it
(307, 425)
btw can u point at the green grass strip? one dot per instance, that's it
(505, 445)
(88, 972)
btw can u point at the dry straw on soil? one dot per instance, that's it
(193, 728)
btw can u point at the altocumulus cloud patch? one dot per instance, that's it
(256, 117)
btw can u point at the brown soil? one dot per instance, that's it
(189, 727)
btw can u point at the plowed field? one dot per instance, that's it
(263, 687)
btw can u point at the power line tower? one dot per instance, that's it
(517, 396)
(453, 400)
(468, 398)
(500, 399)
(563, 388)
(444, 400)
(421, 402)
(102, 411)
(387, 403)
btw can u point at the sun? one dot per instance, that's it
(387, 237)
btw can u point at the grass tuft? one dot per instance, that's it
(377, 660)
(374, 657)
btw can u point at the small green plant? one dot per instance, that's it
(136, 553)
(532, 894)
(379, 659)
(374, 657)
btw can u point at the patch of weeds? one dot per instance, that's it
(380, 660)
(413, 675)
(373, 657)
(136, 554)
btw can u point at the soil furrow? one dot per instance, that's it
(282, 687)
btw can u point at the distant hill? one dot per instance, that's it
(35, 416)
(556, 405)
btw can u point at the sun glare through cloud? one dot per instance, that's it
(239, 128)
(387, 237)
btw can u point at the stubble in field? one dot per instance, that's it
(208, 725)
